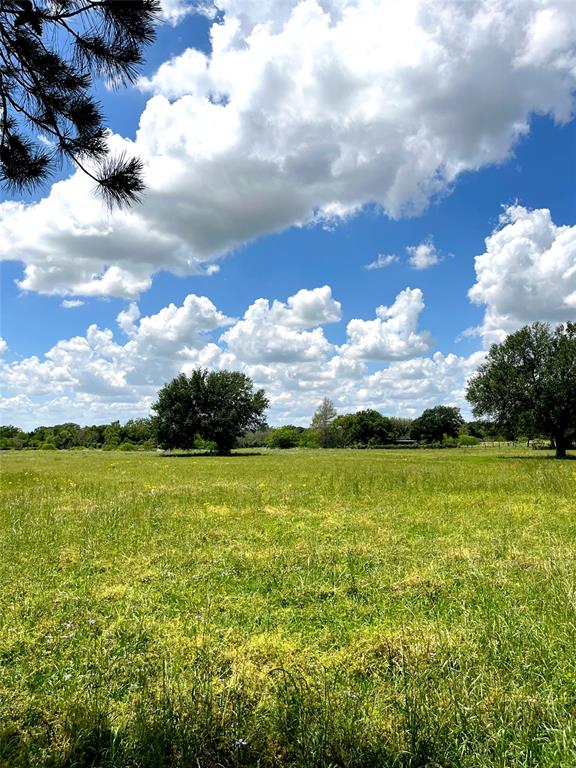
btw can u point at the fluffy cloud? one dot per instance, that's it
(273, 333)
(175, 326)
(382, 261)
(96, 366)
(307, 308)
(280, 345)
(90, 364)
(527, 273)
(71, 303)
(173, 11)
(302, 112)
(423, 256)
(412, 385)
(393, 334)
(73, 242)
(29, 412)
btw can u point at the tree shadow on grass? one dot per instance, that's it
(207, 454)
(569, 457)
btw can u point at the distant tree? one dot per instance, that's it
(366, 428)
(138, 431)
(7, 430)
(218, 406)
(478, 429)
(372, 429)
(341, 430)
(91, 437)
(309, 439)
(401, 427)
(437, 423)
(40, 435)
(50, 53)
(287, 436)
(66, 435)
(321, 421)
(528, 384)
(112, 435)
(253, 438)
(12, 438)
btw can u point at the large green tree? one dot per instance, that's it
(50, 53)
(214, 405)
(528, 383)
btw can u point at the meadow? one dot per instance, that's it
(298, 608)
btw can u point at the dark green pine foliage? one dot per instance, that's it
(50, 53)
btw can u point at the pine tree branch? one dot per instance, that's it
(45, 91)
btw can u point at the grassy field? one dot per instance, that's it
(308, 608)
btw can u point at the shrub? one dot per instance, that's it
(309, 438)
(284, 437)
(207, 446)
(253, 438)
(465, 440)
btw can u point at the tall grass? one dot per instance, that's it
(288, 609)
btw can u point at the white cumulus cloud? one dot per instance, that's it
(423, 256)
(527, 273)
(274, 332)
(95, 377)
(393, 334)
(173, 11)
(303, 112)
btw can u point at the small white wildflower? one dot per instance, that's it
(241, 742)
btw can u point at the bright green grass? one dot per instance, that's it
(314, 608)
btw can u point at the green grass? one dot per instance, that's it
(307, 608)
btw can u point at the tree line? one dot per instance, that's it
(441, 427)
(364, 429)
(136, 433)
(526, 387)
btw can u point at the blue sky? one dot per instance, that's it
(290, 146)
